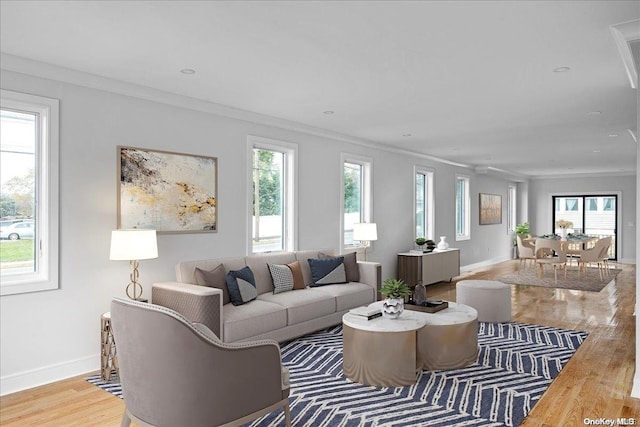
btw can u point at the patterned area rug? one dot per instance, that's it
(516, 364)
(588, 281)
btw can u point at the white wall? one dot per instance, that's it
(541, 190)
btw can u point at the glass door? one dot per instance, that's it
(593, 215)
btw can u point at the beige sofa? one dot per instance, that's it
(281, 316)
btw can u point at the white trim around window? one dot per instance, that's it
(366, 199)
(289, 189)
(512, 206)
(423, 214)
(44, 274)
(463, 207)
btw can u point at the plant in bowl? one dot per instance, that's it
(395, 291)
(420, 241)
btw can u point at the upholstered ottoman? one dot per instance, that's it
(492, 299)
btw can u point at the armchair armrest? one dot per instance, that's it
(199, 304)
(371, 274)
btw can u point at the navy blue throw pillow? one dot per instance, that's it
(242, 286)
(327, 271)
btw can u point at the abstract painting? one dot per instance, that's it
(165, 191)
(490, 209)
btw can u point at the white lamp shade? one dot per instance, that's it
(133, 244)
(365, 231)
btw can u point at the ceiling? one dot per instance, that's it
(471, 82)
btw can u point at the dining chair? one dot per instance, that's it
(599, 255)
(549, 252)
(526, 251)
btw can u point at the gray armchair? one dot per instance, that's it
(175, 373)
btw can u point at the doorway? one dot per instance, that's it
(592, 214)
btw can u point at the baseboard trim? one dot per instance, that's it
(47, 374)
(486, 263)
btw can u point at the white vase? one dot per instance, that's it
(392, 308)
(563, 234)
(442, 244)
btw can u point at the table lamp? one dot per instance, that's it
(365, 232)
(133, 245)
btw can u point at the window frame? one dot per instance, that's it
(366, 199)
(289, 186)
(429, 199)
(466, 208)
(46, 240)
(512, 208)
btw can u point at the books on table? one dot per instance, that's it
(366, 312)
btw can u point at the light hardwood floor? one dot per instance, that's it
(595, 383)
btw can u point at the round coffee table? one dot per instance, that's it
(381, 352)
(449, 339)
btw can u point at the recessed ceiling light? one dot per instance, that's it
(188, 71)
(328, 112)
(596, 151)
(613, 135)
(406, 135)
(594, 113)
(561, 69)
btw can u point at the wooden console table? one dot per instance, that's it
(431, 267)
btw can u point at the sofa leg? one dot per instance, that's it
(126, 421)
(287, 415)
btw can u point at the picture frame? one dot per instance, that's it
(490, 209)
(167, 191)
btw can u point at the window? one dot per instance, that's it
(609, 204)
(591, 203)
(512, 208)
(272, 195)
(463, 205)
(356, 196)
(571, 205)
(28, 193)
(424, 203)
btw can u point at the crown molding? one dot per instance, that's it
(624, 34)
(49, 71)
(584, 175)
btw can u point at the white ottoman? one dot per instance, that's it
(492, 299)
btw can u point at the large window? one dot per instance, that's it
(424, 203)
(356, 195)
(28, 193)
(272, 195)
(463, 206)
(512, 209)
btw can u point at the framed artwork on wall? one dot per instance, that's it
(490, 209)
(168, 192)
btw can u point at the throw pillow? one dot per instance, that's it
(327, 271)
(282, 278)
(216, 278)
(298, 278)
(350, 265)
(242, 286)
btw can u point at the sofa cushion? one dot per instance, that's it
(296, 272)
(350, 265)
(242, 286)
(282, 278)
(327, 271)
(249, 320)
(216, 278)
(302, 305)
(349, 296)
(258, 264)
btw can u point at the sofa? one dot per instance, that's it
(199, 295)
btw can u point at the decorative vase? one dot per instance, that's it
(420, 293)
(563, 234)
(442, 244)
(392, 308)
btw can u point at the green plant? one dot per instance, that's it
(394, 288)
(420, 241)
(523, 229)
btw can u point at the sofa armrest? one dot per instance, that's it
(199, 304)
(371, 274)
